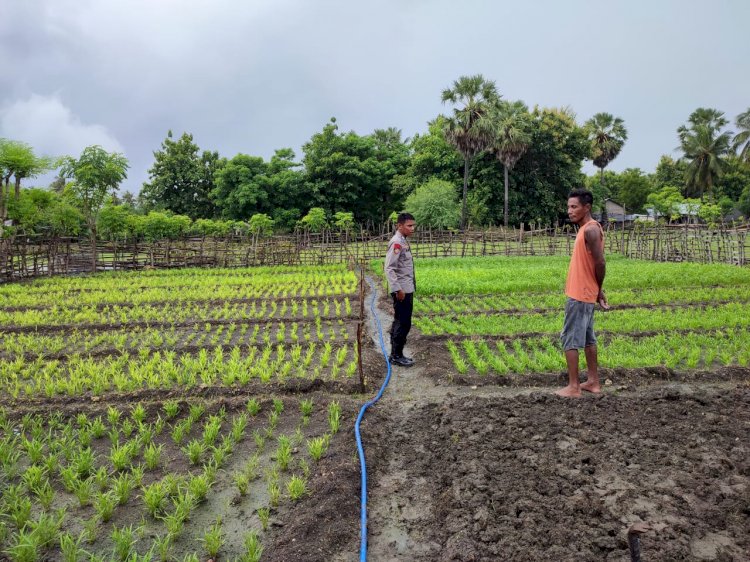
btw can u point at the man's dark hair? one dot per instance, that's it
(403, 217)
(585, 197)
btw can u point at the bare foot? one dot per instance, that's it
(594, 387)
(569, 392)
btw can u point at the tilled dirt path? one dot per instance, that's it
(514, 473)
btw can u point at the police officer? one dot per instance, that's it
(399, 270)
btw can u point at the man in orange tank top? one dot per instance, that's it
(584, 289)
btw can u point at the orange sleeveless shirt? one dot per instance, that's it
(581, 284)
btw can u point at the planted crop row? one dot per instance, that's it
(166, 369)
(543, 354)
(71, 487)
(133, 294)
(512, 275)
(178, 312)
(621, 321)
(536, 301)
(139, 339)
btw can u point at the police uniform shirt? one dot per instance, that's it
(399, 265)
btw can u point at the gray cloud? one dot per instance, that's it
(255, 76)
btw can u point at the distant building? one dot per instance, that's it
(615, 213)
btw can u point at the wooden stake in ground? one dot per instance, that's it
(360, 324)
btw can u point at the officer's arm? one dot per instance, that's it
(391, 264)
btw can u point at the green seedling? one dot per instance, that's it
(154, 498)
(152, 456)
(104, 505)
(213, 539)
(306, 407)
(278, 405)
(84, 491)
(296, 487)
(334, 416)
(198, 487)
(122, 486)
(71, 549)
(124, 540)
(171, 409)
(264, 514)
(283, 452)
(317, 447)
(242, 482)
(113, 416)
(138, 414)
(253, 547)
(25, 548)
(195, 451)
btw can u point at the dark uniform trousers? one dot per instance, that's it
(401, 322)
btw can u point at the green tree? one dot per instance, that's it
(466, 129)
(542, 178)
(344, 172)
(607, 135)
(435, 204)
(95, 174)
(741, 142)
(285, 185)
(315, 220)
(239, 191)
(260, 224)
(432, 156)
(114, 222)
(181, 179)
(670, 172)
(734, 178)
(343, 222)
(17, 160)
(510, 124)
(633, 189)
(704, 146)
(665, 202)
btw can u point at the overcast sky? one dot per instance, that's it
(251, 76)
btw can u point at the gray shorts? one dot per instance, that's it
(578, 326)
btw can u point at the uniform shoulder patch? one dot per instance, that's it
(396, 248)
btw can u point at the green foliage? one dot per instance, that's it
(315, 220)
(346, 172)
(181, 180)
(435, 205)
(705, 145)
(343, 221)
(666, 202)
(261, 224)
(607, 135)
(95, 173)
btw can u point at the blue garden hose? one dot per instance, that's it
(360, 450)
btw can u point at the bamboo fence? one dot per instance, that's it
(24, 257)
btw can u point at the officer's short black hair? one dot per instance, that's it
(403, 217)
(584, 196)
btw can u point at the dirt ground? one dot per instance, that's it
(473, 472)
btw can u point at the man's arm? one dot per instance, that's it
(594, 244)
(391, 263)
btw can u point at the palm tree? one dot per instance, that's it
(510, 123)
(465, 129)
(704, 144)
(607, 135)
(743, 136)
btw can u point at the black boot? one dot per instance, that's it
(397, 357)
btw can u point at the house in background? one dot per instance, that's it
(615, 213)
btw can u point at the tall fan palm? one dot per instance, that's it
(704, 145)
(511, 125)
(607, 135)
(743, 136)
(465, 129)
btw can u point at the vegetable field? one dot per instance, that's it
(154, 415)
(502, 316)
(195, 414)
